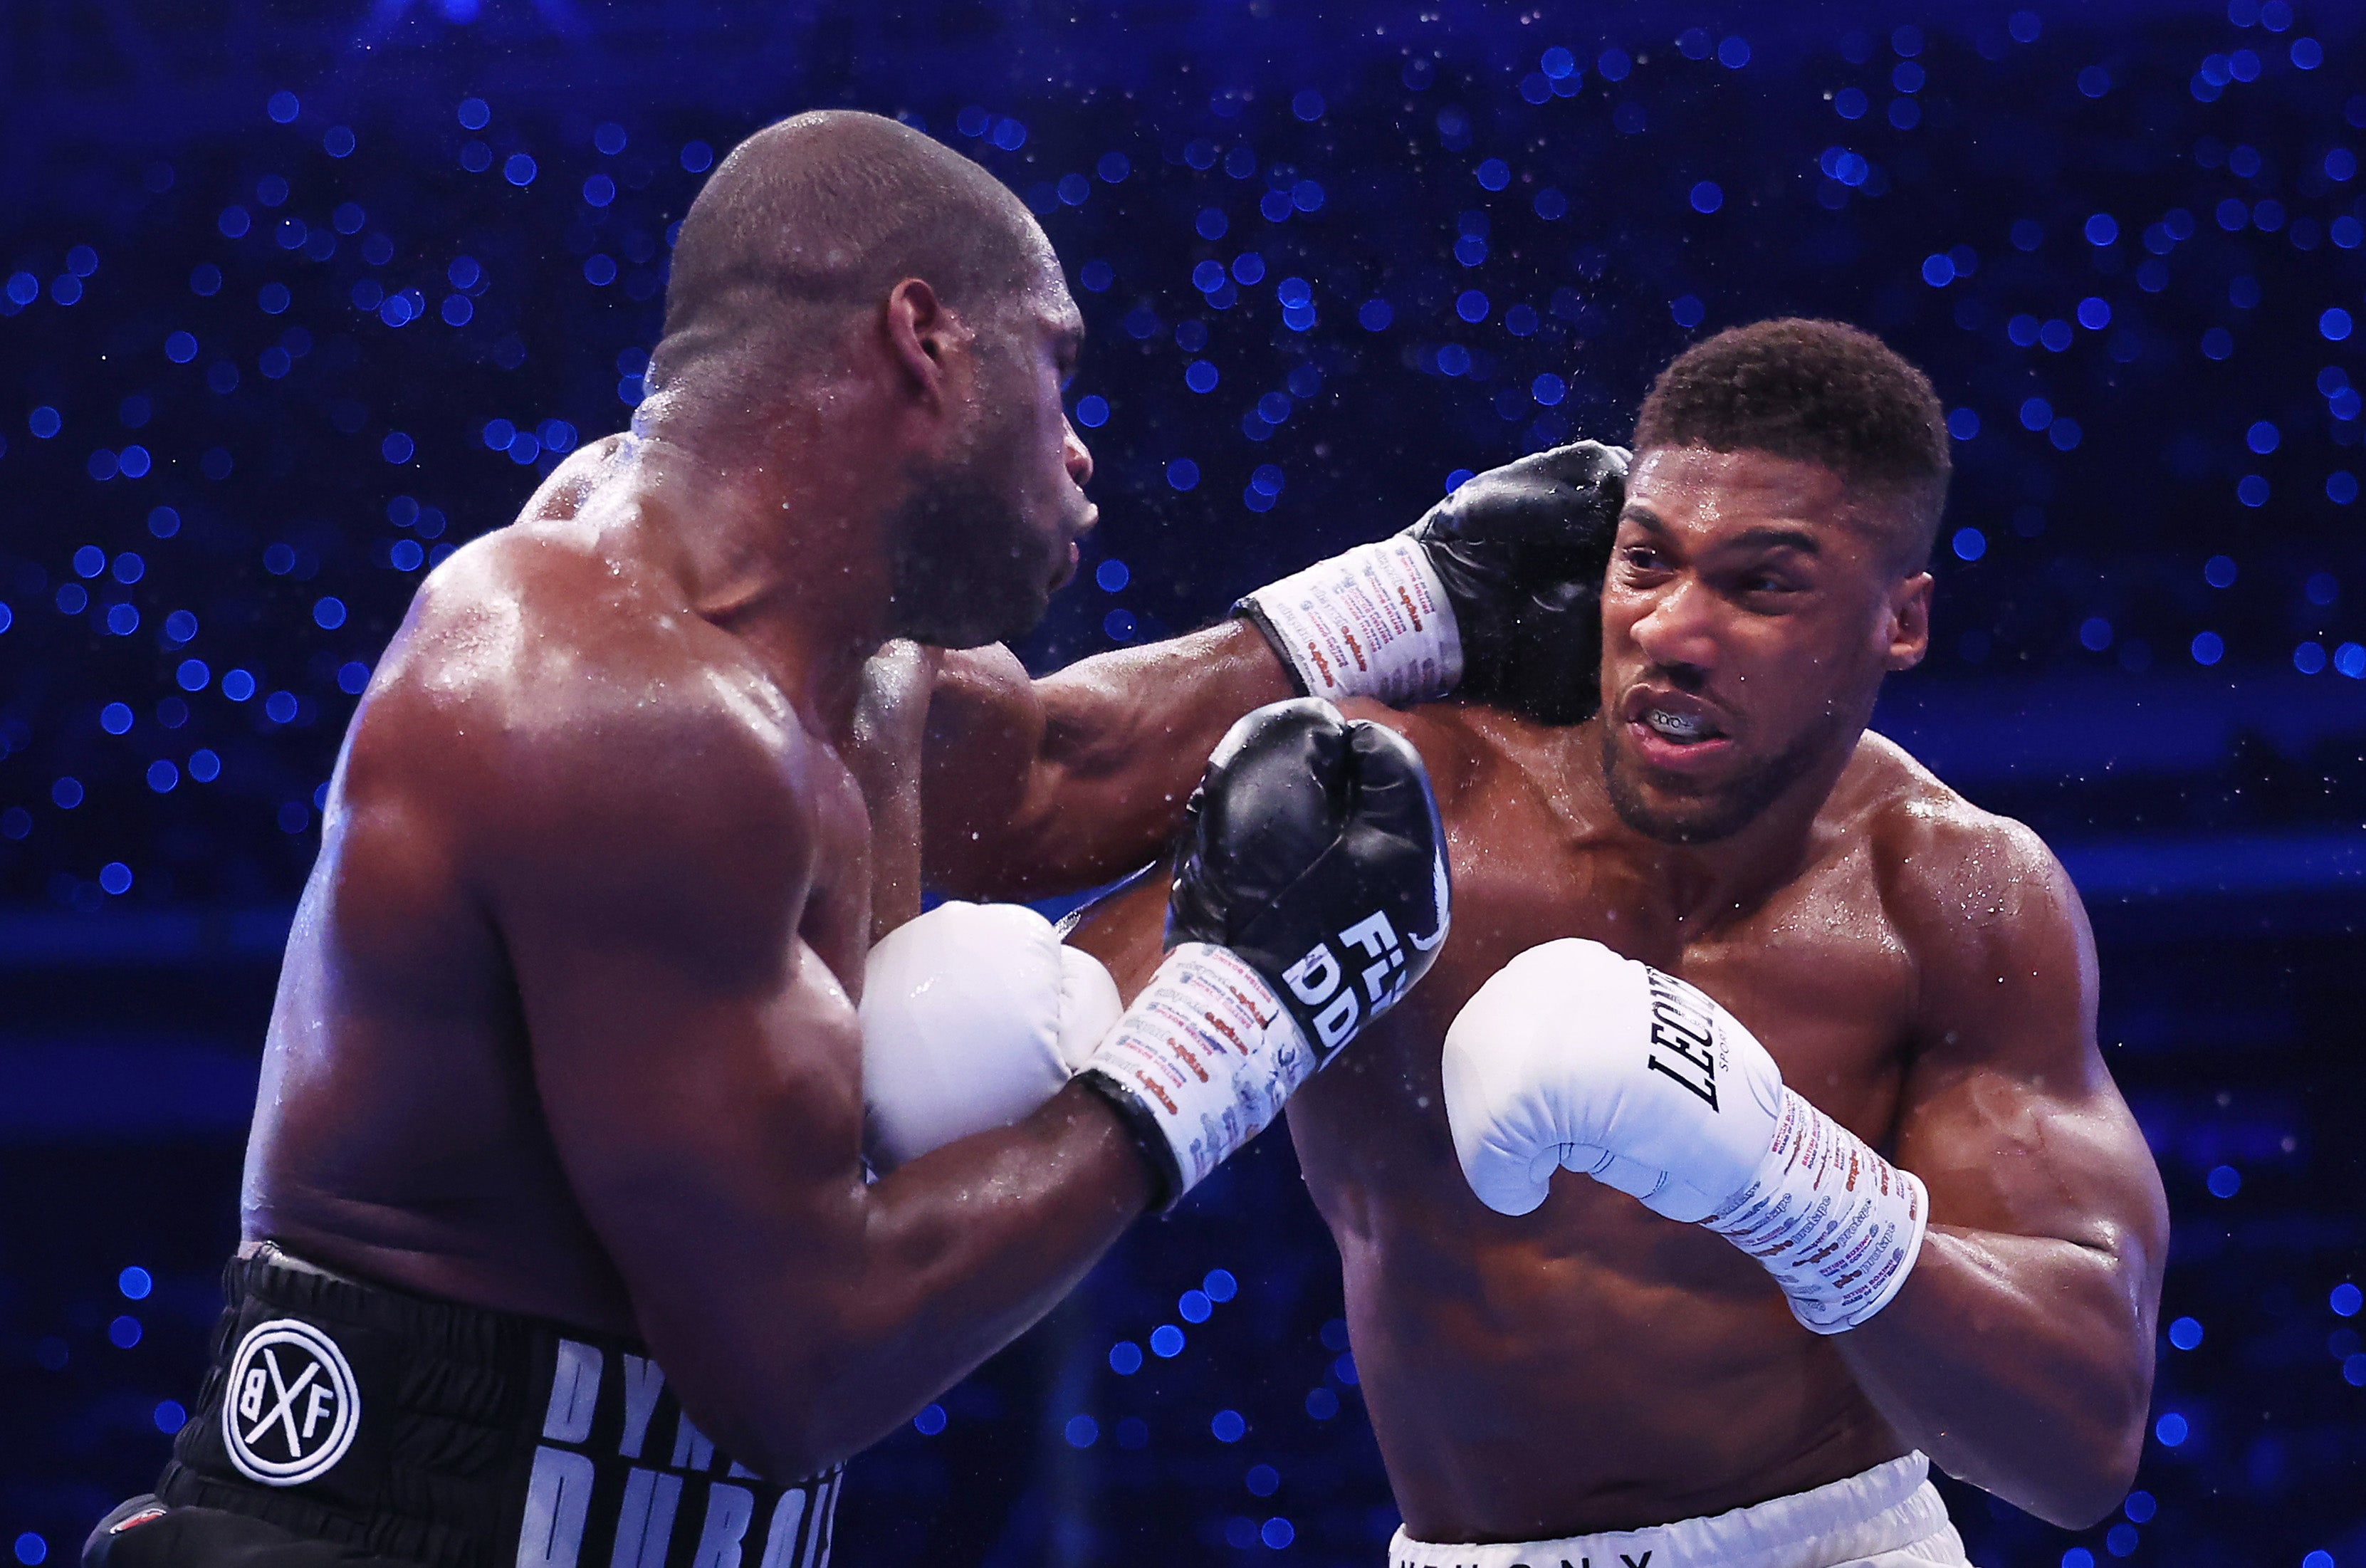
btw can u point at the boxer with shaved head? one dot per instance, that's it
(558, 1245)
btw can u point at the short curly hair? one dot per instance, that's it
(1819, 391)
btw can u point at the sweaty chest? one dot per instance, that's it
(1816, 973)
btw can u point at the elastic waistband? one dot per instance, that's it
(1885, 1509)
(453, 1436)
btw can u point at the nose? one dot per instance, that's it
(1679, 631)
(1078, 458)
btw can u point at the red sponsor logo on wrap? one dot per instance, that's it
(1158, 1094)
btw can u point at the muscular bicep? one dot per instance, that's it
(2009, 1115)
(1037, 787)
(984, 740)
(702, 1126)
(698, 1066)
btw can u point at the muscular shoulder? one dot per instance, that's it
(1977, 899)
(553, 712)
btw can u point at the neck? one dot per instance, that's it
(780, 543)
(1700, 884)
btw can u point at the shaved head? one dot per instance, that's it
(855, 306)
(811, 221)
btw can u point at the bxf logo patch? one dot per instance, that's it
(292, 1406)
(1317, 979)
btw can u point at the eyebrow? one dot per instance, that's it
(1770, 537)
(1765, 537)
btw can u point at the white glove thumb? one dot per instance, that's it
(1089, 1007)
(1508, 1152)
(973, 1016)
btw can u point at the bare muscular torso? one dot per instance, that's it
(1592, 1366)
(399, 1134)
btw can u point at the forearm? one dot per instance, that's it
(962, 1251)
(1118, 742)
(2021, 1364)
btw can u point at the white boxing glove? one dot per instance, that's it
(1574, 1058)
(973, 1016)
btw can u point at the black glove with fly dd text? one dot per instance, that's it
(1311, 891)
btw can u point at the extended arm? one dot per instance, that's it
(2019, 1353)
(1033, 787)
(1047, 786)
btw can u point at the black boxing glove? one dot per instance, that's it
(1310, 893)
(1495, 592)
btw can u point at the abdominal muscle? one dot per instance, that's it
(1590, 1367)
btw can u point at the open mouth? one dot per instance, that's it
(1670, 727)
(1683, 729)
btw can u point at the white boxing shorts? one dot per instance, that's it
(1890, 1517)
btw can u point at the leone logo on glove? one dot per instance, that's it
(1320, 979)
(1682, 1027)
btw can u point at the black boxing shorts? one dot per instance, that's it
(347, 1424)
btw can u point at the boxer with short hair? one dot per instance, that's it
(558, 1249)
(1816, 1034)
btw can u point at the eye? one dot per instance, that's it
(1767, 591)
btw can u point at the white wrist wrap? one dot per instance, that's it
(1371, 623)
(1835, 1224)
(1206, 1055)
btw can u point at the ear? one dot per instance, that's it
(923, 335)
(1906, 636)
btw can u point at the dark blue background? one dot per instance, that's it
(2125, 241)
